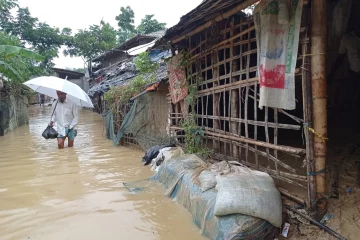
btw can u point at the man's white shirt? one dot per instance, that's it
(66, 115)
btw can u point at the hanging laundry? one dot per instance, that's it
(277, 24)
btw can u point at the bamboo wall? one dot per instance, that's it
(224, 67)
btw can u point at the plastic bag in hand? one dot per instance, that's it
(50, 133)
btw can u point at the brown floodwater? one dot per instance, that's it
(78, 193)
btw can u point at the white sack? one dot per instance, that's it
(207, 180)
(250, 193)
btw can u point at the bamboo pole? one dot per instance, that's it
(309, 138)
(216, 98)
(234, 97)
(259, 143)
(318, 71)
(247, 98)
(291, 196)
(261, 153)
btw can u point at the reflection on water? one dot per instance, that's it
(77, 193)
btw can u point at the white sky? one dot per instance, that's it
(79, 14)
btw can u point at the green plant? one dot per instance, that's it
(17, 89)
(118, 97)
(10, 57)
(144, 64)
(194, 134)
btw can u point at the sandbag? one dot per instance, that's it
(179, 177)
(251, 193)
(50, 133)
(207, 180)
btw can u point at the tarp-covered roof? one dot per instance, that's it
(122, 72)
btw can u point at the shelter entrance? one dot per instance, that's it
(343, 104)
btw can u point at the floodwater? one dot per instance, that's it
(78, 193)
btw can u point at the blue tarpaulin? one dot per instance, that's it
(179, 177)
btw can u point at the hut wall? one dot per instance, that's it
(153, 119)
(224, 66)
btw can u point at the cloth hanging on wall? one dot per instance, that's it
(277, 41)
(177, 79)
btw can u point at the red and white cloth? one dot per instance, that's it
(277, 24)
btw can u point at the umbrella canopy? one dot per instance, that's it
(48, 85)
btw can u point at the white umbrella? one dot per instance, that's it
(48, 85)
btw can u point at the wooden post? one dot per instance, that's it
(319, 97)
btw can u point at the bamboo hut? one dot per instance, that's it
(289, 145)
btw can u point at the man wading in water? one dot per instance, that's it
(66, 115)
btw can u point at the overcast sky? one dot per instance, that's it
(79, 14)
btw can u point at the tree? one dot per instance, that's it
(127, 28)
(41, 37)
(149, 25)
(17, 64)
(5, 12)
(126, 24)
(89, 43)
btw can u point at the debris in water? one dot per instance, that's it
(286, 229)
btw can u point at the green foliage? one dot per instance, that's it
(126, 24)
(149, 25)
(191, 97)
(144, 64)
(193, 132)
(122, 94)
(5, 12)
(29, 31)
(89, 43)
(17, 89)
(11, 51)
(127, 27)
(193, 135)
(118, 97)
(17, 63)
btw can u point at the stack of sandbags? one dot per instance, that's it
(243, 191)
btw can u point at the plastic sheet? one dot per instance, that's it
(179, 177)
